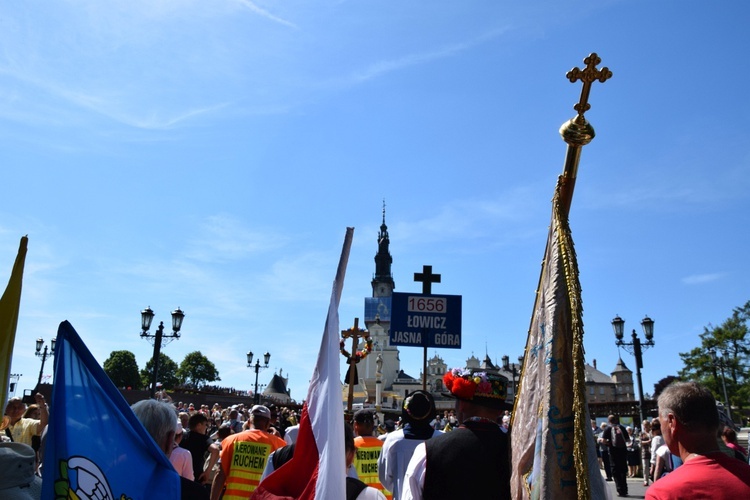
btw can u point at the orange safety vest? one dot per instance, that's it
(243, 458)
(366, 462)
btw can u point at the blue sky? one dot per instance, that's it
(209, 155)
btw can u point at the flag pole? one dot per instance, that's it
(577, 132)
(558, 301)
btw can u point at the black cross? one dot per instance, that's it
(427, 278)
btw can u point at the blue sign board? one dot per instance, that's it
(425, 320)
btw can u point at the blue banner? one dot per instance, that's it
(377, 308)
(96, 447)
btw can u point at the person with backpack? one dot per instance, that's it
(616, 438)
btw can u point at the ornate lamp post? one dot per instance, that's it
(44, 354)
(636, 348)
(719, 361)
(258, 367)
(147, 315)
(514, 369)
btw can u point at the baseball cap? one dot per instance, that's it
(364, 416)
(261, 411)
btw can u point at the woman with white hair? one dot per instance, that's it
(160, 422)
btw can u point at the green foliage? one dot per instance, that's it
(195, 370)
(122, 369)
(167, 372)
(662, 384)
(731, 343)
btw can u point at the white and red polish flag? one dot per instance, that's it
(317, 471)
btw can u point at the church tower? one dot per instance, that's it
(622, 376)
(382, 282)
(378, 318)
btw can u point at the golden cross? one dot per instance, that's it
(588, 76)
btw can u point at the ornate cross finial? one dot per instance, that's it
(588, 76)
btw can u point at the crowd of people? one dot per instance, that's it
(226, 453)
(686, 430)
(234, 449)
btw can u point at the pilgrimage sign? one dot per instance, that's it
(426, 320)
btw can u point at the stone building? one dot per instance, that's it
(603, 388)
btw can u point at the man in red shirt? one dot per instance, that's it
(689, 421)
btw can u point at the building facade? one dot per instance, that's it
(603, 388)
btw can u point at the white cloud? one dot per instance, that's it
(699, 279)
(264, 13)
(474, 219)
(381, 68)
(300, 277)
(223, 237)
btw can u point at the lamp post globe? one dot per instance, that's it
(257, 366)
(636, 348)
(147, 317)
(44, 354)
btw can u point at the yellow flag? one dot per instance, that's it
(552, 446)
(9, 306)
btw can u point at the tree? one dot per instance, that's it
(196, 370)
(122, 369)
(167, 372)
(662, 384)
(731, 344)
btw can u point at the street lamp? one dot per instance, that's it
(719, 361)
(636, 348)
(44, 354)
(14, 382)
(257, 366)
(147, 315)
(514, 369)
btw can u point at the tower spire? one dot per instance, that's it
(382, 281)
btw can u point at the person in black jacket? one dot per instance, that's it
(472, 461)
(616, 437)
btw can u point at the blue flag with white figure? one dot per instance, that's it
(96, 448)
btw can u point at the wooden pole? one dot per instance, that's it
(354, 331)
